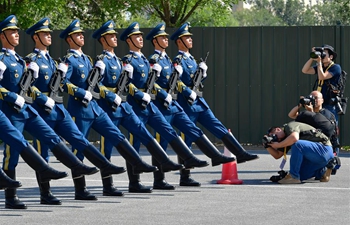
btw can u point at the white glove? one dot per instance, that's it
(50, 103)
(128, 68)
(146, 97)
(88, 95)
(204, 67)
(193, 95)
(168, 98)
(63, 68)
(19, 101)
(35, 68)
(117, 100)
(3, 67)
(158, 68)
(99, 64)
(179, 69)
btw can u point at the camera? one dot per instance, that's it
(319, 51)
(307, 100)
(280, 176)
(268, 139)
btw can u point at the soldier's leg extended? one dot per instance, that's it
(214, 126)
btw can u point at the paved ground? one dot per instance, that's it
(256, 201)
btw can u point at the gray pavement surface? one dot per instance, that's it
(256, 201)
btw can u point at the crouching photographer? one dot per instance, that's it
(320, 118)
(311, 151)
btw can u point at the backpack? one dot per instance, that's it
(336, 93)
(318, 121)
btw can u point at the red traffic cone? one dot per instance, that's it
(229, 171)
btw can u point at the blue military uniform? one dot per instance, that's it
(124, 114)
(27, 118)
(199, 110)
(58, 117)
(174, 113)
(150, 114)
(92, 115)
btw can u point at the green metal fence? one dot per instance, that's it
(254, 75)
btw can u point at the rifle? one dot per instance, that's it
(121, 87)
(26, 85)
(55, 87)
(152, 77)
(93, 79)
(197, 81)
(172, 85)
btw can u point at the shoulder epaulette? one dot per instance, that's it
(154, 58)
(127, 58)
(90, 59)
(103, 55)
(31, 56)
(178, 58)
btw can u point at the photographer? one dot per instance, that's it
(326, 122)
(328, 75)
(310, 151)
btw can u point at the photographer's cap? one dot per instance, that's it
(9, 23)
(330, 48)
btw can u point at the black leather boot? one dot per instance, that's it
(128, 152)
(6, 182)
(46, 197)
(159, 179)
(186, 179)
(65, 156)
(189, 159)
(81, 193)
(36, 162)
(157, 152)
(11, 199)
(212, 152)
(236, 148)
(109, 189)
(135, 185)
(96, 158)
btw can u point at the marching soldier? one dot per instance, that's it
(140, 100)
(173, 112)
(84, 108)
(22, 115)
(121, 113)
(52, 110)
(192, 101)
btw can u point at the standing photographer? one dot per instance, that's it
(328, 74)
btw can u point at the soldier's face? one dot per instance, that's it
(137, 39)
(187, 40)
(45, 38)
(163, 41)
(78, 38)
(12, 37)
(111, 40)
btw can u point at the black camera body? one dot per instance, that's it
(307, 100)
(268, 139)
(319, 51)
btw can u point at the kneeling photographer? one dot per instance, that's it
(311, 151)
(320, 118)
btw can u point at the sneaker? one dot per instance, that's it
(326, 176)
(288, 179)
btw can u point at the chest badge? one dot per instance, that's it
(143, 74)
(83, 76)
(46, 77)
(114, 77)
(16, 75)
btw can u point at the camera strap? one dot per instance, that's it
(320, 82)
(284, 160)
